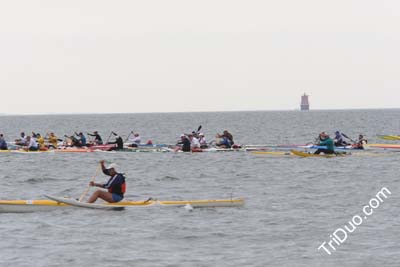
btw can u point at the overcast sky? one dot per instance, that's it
(167, 55)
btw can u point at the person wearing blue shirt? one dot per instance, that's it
(82, 139)
(226, 140)
(3, 143)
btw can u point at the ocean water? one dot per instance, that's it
(292, 205)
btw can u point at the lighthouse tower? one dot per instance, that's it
(305, 105)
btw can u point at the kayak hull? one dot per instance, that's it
(390, 137)
(306, 155)
(384, 147)
(28, 206)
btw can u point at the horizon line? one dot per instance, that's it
(211, 111)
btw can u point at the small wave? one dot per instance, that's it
(38, 180)
(168, 178)
(220, 234)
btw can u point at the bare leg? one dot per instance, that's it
(101, 194)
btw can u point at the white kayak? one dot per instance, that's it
(77, 203)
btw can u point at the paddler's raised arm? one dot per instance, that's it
(105, 171)
(103, 168)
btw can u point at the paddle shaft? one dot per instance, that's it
(108, 139)
(91, 180)
(349, 138)
(129, 135)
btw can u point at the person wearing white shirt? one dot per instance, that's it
(22, 140)
(202, 141)
(32, 144)
(194, 142)
(135, 140)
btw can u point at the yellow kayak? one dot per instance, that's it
(25, 206)
(274, 153)
(305, 154)
(390, 137)
(25, 151)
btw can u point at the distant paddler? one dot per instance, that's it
(339, 139)
(202, 141)
(194, 142)
(97, 138)
(115, 186)
(325, 140)
(40, 141)
(72, 141)
(361, 142)
(53, 140)
(184, 144)
(135, 140)
(3, 143)
(118, 141)
(32, 144)
(226, 139)
(81, 138)
(22, 140)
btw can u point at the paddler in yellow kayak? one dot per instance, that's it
(22, 140)
(40, 141)
(325, 140)
(53, 140)
(115, 186)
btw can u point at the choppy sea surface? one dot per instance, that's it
(292, 205)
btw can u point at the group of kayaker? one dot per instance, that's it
(193, 142)
(79, 140)
(329, 144)
(196, 141)
(36, 141)
(342, 139)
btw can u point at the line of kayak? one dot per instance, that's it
(247, 148)
(53, 203)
